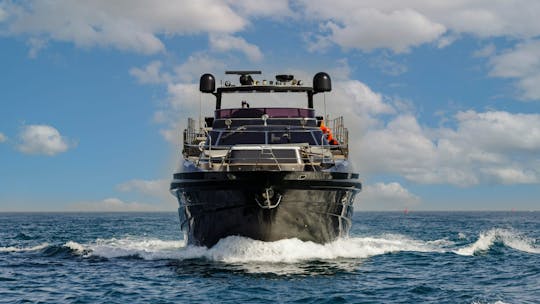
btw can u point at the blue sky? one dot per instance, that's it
(441, 98)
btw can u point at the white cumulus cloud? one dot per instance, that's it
(483, 148)
(42, 139)
(225, 43)
(183, 96)
(276, 8)
(150, 74)
(398, 30)
(127, 24)
(197, 64)
(385, 196)
(467, 149)
(402, 24)
(523, 64)
(158, 188)
(3, 138)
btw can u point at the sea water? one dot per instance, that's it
(419, 257)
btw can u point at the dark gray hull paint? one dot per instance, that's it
(310, 206)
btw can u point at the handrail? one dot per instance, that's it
(305, 158)
(196, 141)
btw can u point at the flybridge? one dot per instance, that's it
(283, 84)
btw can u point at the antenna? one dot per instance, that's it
(200, 111)
(324, 102)
(245, 76)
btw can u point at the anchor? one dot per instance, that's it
(267, 195)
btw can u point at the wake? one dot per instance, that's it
(508, 238)
(24, 249)
(237, 249)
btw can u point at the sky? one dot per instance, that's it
(441, 98)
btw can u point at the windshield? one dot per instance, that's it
(286, 137)
(259, 112)
(242, 136)
(266, 99)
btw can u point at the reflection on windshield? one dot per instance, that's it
(291, 137)
(241, 137)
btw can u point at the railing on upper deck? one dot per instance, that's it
(340, 133)
(195, 139)
(192, 139)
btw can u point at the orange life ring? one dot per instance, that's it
(324, 128)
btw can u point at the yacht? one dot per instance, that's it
(262, 172)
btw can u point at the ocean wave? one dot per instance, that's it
(149, 249)
(509, 238)
(24, 249)
(236, 249)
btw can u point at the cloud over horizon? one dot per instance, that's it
(158, 188)
(42, 139)
(467, 149)
(390, 196)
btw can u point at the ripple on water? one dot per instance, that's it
(428, 258)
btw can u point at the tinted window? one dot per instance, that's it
(258, 112)
(213, 136)
(247, 113)
(241, 137)
(318, 135)
(284, 137)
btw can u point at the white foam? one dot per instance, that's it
(509, 238)
(76, 247)
(23, 249)
(237, 249)
(240, 250)
(145, 248)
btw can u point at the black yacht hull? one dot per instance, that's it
(265, 205)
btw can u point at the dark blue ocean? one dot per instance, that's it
(420, 257)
